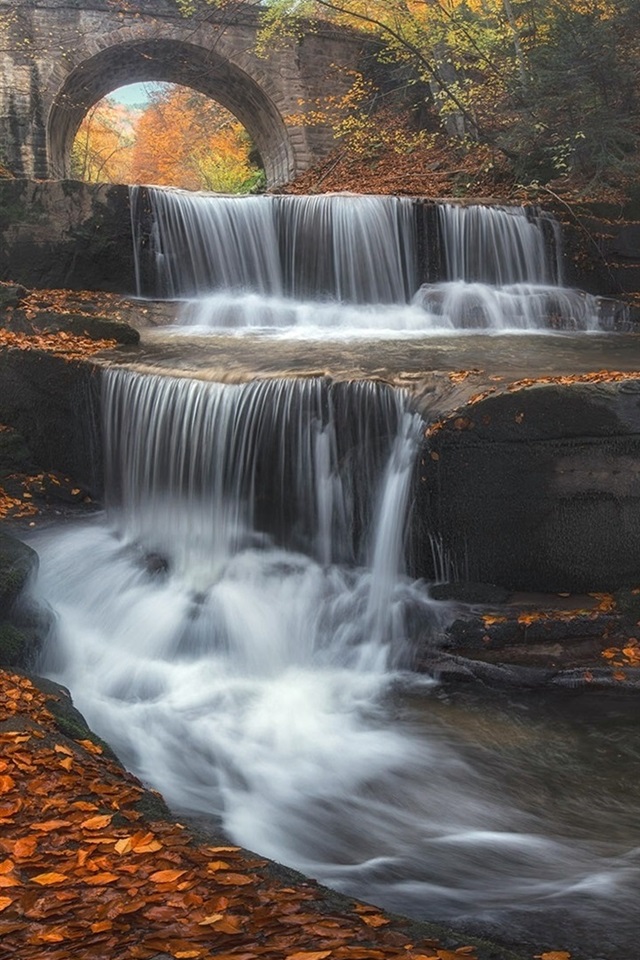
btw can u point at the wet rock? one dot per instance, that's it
(17, 563)
(470, 592)
(626, 243)
(628, 603)
(156, 565)
(15, 455)
(94, 327)
(11, 294)
(17, 647)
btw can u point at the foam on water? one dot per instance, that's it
(335, 265)
(239, 627)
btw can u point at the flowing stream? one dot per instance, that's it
(241, 622)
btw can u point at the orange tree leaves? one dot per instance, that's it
(81, 877)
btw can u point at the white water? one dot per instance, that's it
(239, 627)
(348, 265)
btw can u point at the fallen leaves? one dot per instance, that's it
(81, 878)
(69, 346)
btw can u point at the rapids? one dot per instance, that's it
(241, 622)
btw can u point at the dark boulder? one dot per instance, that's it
(17, 563)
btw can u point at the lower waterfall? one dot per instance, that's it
(240, 626)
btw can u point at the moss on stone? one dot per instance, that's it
(16, 646)
(95, 327)
(17, 563)
(15, 456)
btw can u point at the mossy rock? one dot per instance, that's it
(17, 563)
(15, 456)
(628, 603)
(96, 328)
(18, 648)
(11, 294)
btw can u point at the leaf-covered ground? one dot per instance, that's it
(85, 874)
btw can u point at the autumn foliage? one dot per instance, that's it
(83, 875)
(181, 138)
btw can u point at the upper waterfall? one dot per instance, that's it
(353, 263)
(351, 249)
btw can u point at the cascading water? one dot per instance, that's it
(347, 264)
(238, 626)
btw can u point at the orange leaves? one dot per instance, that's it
(309, 955)
(554, 955)
(374, 920)
(166, 876)
(49, 879)
(6, 784)
(627, 656)
(89, 745)
(73, 870)
(96, 823)
(67, 345)
(101, 879)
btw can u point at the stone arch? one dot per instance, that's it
(174, 61)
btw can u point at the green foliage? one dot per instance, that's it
(553, 84)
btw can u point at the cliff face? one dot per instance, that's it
(66, 234)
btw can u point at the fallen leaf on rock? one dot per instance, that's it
(166, 876)
(309, 955)
(47, 879)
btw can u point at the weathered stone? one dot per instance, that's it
(53, 401)
(66, 234)
(541, 490)
(96, 328)
(17, 563)
(469, 592)
(626, 243)
(15, 455)
(18, 648)
(11, 294)
(60, 58)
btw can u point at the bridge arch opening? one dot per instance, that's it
(176, 62)
(168, 135)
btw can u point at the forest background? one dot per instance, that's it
(458, 97)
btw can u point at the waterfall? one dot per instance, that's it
(208, 468)
(352, 249)
(328, 265)
(238, 627)
(502, 246)
(240, 624)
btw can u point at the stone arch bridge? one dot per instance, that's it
(60, 57)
